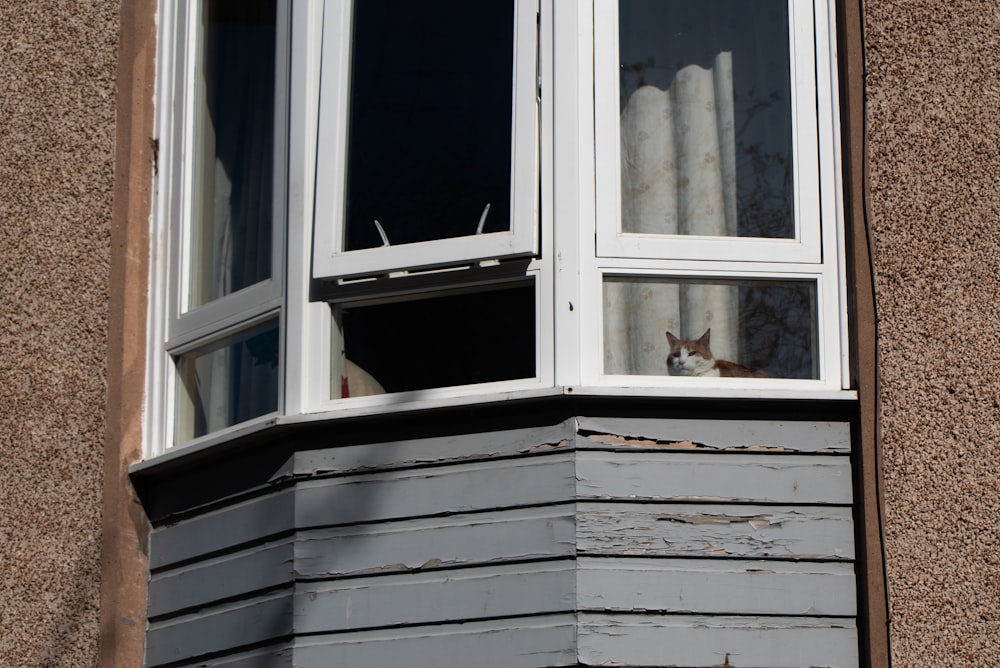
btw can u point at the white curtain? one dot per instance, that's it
(678, 177)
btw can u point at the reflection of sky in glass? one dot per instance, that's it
(657, 38)
(430, 119)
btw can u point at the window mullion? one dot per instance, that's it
(573, 182)
(307, 349)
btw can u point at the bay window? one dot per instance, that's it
(384, 205)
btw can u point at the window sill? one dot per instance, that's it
(741, 392)
(683, 389)
(207, 442)
(409, 404)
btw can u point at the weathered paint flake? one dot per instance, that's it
(650, 444)
(718, 435)
(693, 530)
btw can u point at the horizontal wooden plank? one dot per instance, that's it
(436, 597)
(220, 628)
(690, 530)
(507, 643)
(368, 498)
(459, 540)
(276, 656)
(696, 641)
(717, 586)
(435, 491)
(677, 476)
(445, 450)
(721, 434)
(226, 528)
(201, 583)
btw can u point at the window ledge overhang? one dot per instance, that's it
(403, 406)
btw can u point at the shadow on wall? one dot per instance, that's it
(71, 637)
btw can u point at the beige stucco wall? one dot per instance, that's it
(934, 149)
(57, 108)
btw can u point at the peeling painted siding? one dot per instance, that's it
(665, 542)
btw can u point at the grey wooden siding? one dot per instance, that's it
(595, 541)
(510, 643)
(700, 640)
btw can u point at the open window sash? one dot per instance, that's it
(384, 224)
(226, 159)
(632, 106)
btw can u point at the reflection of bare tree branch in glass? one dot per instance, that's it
(777, 319)
(777, 323)
(634, 77)
(764, 169)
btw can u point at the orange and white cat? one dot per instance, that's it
(693, 357)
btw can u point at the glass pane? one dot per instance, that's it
(227, 382)
(705, 100)
(430, 120)
(745, 328)
(459, 339)
(233, 161)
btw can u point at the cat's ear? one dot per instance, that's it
(673, 340)
(705, 337)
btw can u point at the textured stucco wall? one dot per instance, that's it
(57, 96)
(934, 143)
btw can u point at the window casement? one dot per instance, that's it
(428, 128)
(426, 222)
(717, 195)
(217, 309)
(386, 205)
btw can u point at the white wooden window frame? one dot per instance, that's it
(828, 321)
(331, 259)
(177, 327)
(815, 255)
(566, 165)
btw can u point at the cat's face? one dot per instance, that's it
(690, 357)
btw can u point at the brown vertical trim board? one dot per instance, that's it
(873, 599)
(123, 552)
